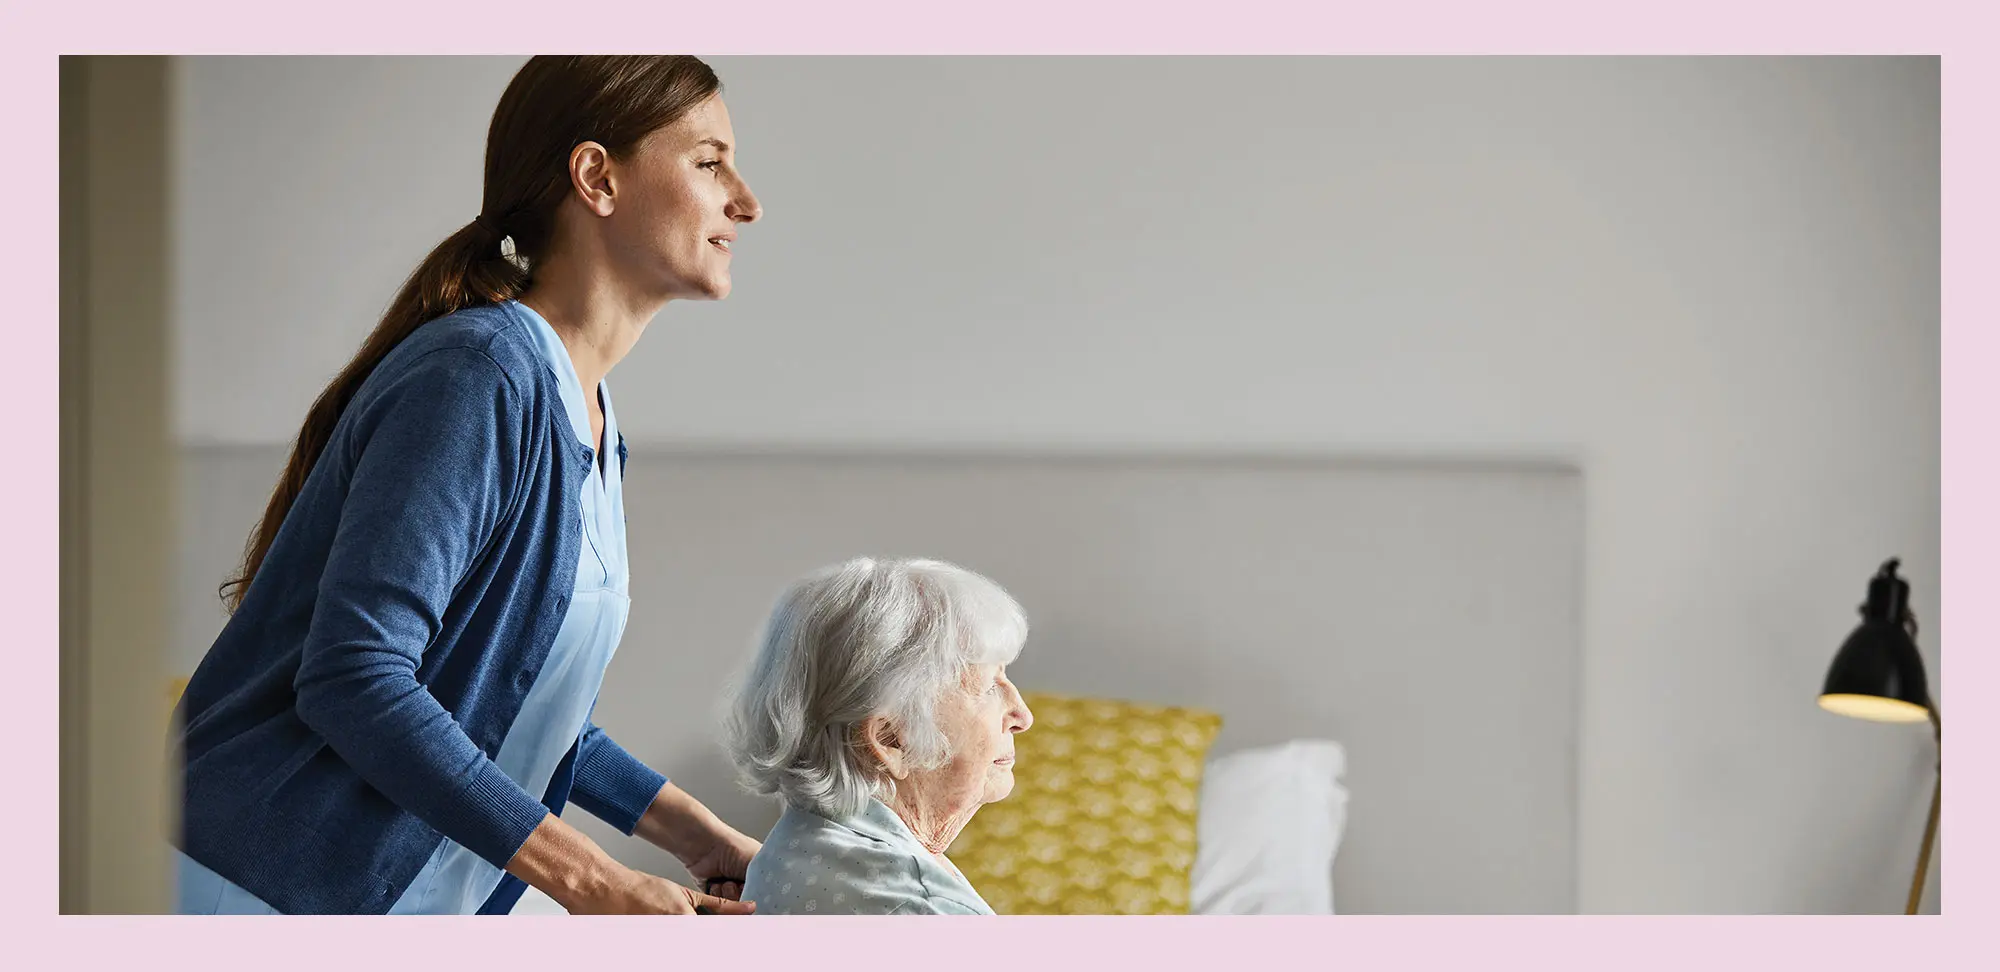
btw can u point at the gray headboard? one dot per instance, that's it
(1427, 616)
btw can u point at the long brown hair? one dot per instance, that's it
(552, 105)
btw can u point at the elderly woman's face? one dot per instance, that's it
(981, 722)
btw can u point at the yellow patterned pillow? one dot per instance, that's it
(1102, 817)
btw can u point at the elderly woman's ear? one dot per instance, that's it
(880, 738)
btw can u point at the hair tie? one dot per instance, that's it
(507, 243)
(508, 251)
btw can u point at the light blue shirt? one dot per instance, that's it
(868, 864)
(456, 881)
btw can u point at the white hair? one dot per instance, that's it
(864, 638)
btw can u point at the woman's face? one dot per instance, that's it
(980, 721)
(678, 207)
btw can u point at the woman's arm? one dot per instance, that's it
(439, 465)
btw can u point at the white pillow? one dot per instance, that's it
(1270, 823)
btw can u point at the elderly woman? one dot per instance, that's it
(878, 709)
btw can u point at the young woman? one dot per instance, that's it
(399, 707)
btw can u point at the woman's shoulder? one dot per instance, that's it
(811, 865)
(809, 841)
(487, 332)
(447, 377)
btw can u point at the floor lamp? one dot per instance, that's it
(1878, 675)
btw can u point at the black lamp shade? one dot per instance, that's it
(1879, 674)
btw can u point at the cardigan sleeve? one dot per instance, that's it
(612, 784)
(437, 464)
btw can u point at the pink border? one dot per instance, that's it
(34, 36)
(1018, 27)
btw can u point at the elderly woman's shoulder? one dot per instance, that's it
(810, 865)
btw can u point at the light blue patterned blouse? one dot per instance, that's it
(868, 864)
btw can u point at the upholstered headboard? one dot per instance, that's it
(1427, 616)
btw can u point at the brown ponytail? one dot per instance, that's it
(552, 105)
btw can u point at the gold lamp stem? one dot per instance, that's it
(1930, 828)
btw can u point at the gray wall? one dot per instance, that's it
(1713, 283)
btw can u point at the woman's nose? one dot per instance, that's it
(745, 207)
(1023, 716)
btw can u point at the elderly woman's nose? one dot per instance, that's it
(1023, 718)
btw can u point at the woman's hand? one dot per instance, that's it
(715, 853)
(570, 868)
(725, 863)
(639, 893)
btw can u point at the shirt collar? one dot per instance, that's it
(878, 821)
(556, 357)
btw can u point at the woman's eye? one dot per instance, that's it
(712, 165)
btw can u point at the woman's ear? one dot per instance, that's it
(880, 738)
(590, 178)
